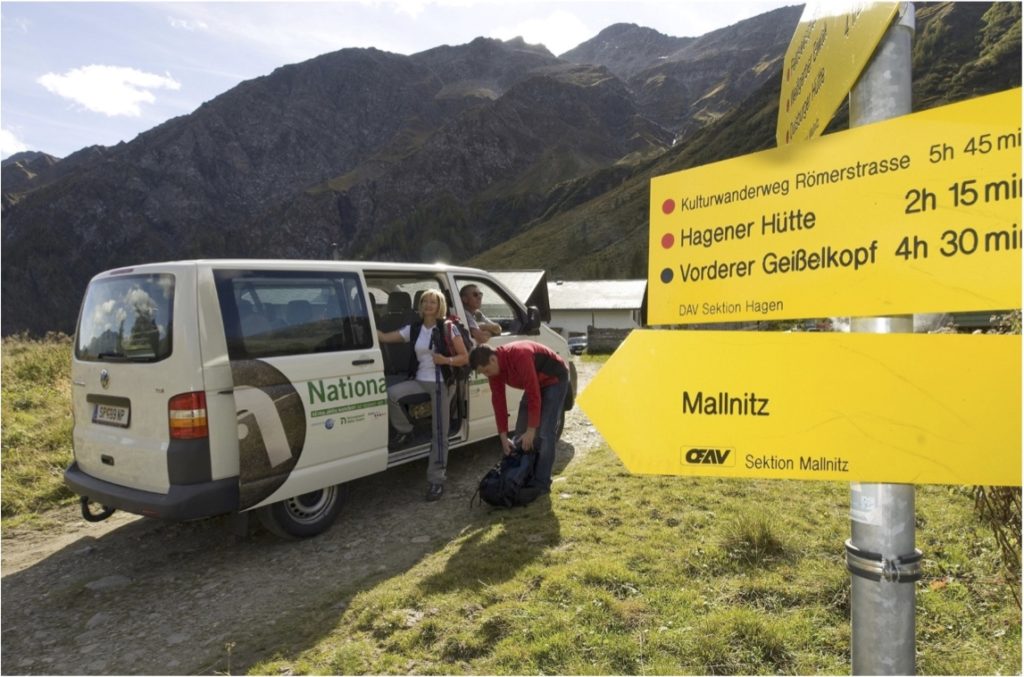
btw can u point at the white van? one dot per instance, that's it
(215, 386)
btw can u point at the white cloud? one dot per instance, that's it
(185, 24)
(414, 8)
(111, 90)
(559, 31)
(10, 144)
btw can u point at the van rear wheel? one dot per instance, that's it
(304, 515)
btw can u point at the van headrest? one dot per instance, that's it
(399, 302)
(299, 311)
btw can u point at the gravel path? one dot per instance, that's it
(138, 596)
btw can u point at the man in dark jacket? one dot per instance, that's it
(543, 377)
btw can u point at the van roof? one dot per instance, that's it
(320, 264)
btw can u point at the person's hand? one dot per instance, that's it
(527, 440)
(506, 445)
(442, 359)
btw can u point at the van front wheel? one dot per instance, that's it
(304, 515)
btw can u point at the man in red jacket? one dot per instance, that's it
(544, 377)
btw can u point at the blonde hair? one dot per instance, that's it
(442, 303)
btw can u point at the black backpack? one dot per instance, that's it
(509, 482)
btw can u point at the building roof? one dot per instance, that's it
(597, 294)
(528, 286)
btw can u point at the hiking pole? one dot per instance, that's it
(438, 430)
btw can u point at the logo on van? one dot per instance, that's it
(345, 394)
(104, 378)
(271, 420)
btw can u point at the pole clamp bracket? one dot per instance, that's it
(875, 567)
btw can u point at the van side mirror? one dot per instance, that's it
(532, 321)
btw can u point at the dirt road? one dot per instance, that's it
(137, 596)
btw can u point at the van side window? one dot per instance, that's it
(269, 313)
(494, 305)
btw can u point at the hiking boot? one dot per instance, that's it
(434, 492)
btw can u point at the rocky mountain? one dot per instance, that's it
(626, 49)
(961, 50)
(21, 173)
(494, 152)
(687, 83)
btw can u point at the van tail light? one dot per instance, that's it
(186, 415)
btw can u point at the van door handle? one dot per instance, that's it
(359, 363)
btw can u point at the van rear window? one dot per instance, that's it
(127, 318)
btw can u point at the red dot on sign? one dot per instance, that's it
(668, 206)
(667, 240)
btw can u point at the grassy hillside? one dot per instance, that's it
(36, 431)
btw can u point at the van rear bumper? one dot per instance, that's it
(182, 502)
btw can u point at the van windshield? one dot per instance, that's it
(127, 319)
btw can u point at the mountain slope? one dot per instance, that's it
(963, 50)
(711, 75)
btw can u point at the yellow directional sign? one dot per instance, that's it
(905, 408)
(916, 214)
(831, 46)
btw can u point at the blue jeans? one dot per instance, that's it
(552, 400)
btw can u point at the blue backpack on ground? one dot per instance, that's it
(508, 483)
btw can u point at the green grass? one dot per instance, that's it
(614, 574)
(623, 574)
(36, 426)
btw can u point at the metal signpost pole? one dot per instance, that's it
(880, 553)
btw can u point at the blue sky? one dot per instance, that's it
(75, 74)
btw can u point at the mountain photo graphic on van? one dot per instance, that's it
(271, 429)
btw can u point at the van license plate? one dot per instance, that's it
(111, 415)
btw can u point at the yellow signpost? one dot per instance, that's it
(920, 213)
(916, 409)
(832, 44)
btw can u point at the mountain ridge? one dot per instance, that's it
(472, 152)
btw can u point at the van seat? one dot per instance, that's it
(398, 311)
(251, 322)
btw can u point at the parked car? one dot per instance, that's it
(578, 345)
(209, 387)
